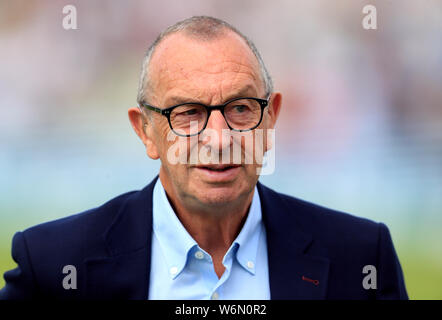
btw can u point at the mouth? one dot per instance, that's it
(218, 173)
(218, 168)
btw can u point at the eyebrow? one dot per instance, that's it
(174, 100)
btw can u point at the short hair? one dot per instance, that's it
(203, 28)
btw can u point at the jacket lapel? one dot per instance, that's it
(124, 273)
(297, 266)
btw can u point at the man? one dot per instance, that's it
(205, 229)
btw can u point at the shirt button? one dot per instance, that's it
(250, 264)
(199, 255)
(215, 296)
(173, 270)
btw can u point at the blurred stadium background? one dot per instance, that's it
(360, 129)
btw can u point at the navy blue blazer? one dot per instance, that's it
(313, 252)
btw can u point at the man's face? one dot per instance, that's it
(210, 72)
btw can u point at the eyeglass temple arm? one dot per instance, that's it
(152, 108)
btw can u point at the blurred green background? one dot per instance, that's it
(360, 130)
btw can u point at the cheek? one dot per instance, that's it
(161, 134)
(253, 146)
(266, 132)
(250, 172)
(173, 152)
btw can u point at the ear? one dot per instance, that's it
(144, 129)
(274, 108)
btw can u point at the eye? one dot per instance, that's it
(240, 108)
(190, 112)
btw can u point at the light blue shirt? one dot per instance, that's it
(180, 269)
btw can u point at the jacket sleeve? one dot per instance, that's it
(20, 283)
(391, 283)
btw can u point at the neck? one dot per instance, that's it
(214, 228)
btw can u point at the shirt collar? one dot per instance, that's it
(173, 238)
(176, 242)
(248, 238)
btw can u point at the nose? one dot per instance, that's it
(216, 124)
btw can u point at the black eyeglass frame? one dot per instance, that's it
(167, 112)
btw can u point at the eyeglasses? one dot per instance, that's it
(190, 118)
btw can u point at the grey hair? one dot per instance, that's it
(203, 28)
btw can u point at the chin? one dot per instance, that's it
(218, 195)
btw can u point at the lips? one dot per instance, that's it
(219, 168)
(221, 173)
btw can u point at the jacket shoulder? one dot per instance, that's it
(73, 238)
(334, 228)
(328, 215)
(88, 223)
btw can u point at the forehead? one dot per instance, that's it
(210, 69)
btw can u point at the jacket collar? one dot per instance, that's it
(125, 272)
